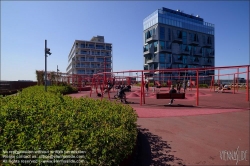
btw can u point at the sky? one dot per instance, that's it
(25, 25)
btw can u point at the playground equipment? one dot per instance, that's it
(98, 82)
(195, 78)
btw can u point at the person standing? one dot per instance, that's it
(184, 86)
(188, 84)
(172, 90)
(178, 87)
(146, 85)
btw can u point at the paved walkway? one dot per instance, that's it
(186, 134)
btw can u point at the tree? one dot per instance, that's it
(40, 77)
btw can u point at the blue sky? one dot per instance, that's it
(25, 25)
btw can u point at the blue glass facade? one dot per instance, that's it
(177, 40)
(178, 19)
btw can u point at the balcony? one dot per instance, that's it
(177, 60)
(209, 72)
(153, 60)
(193, 62)
(207, 63)
(148, 51)
(193, 43)
(197, 52)
(165, 49)
(176, 38)
(151, 39)
(186, 52)
(211, 54)
(207, 45)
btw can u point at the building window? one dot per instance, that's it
(145, 48)
(148, 34)
(162, 44)
(82, 45)
(162, 58)
(155, 46)
(169, 34)
(162, 66)
(184, 37)
(84, 52)
(179, 34)
(162, 33)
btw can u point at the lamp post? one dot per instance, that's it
(46, 51)
(57, 70)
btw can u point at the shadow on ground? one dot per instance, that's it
(179, 105)
(152, 150)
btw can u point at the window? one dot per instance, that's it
(82, 45)
(162, 66)
(91, 46)
(179, 34)
(184, 37)
(162, 58)
(180, 65)
(169, 34)
(108, 47)
(155, 46)
(149, 34)
(180, 57)
(100, 59)
(162, 44)
(84, 52)
(156, 66)
(145, 48)
(162, 33)
(99, 47)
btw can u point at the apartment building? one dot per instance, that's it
(90, 57)
(173, 39)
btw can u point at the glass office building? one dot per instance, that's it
(90, 57)
(173, 39)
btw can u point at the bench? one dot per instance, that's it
(170, 96)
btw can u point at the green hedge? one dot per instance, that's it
(36, 120)
(203, 86)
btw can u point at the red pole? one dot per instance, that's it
(102, 88)
(143, 89)
(197, 88)
(218, 77)
(247, 83)
(234, 83)
(190, 83)
(91, 87)
(141, 94)
(211, 83)
(237, 78)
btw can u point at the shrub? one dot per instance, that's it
(203, 86)
(37, 120)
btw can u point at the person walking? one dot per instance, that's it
(188, 84)
(184, 86)
(146, 85)
(172, 90)
(178, 87)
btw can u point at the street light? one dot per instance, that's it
(57, 70)
(46, 51)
